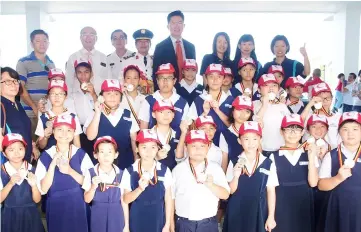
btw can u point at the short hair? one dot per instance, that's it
(317, 72)
(13, 74)
(353, 75)
(175, 13)
(340, 75)
(96, 151)
(278, 38)
(130, 68)
(118, 30)
(38, 32)
(345, 122)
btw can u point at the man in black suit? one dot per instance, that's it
(166, 51)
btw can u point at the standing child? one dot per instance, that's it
(19, 192)
(277, 71)
(188, 88)
(294, 88)
(340, 174)
(198, 186)
(60, 174)
(57, 92)
(111, 119)
(252, 178)
(213, 102)
(102, 187)
(147, 185)
(297, 174)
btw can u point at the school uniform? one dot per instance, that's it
(50, 115)
(343, 208)
(295, 107)
(119, 125)
(294, 196)
(239, 89)
(272, 139)
(214, 154)
(225, 105)
(65, 206)
(228, 142)
(247, 207)
(147, 212)
(131, 104)
(19, 212)
(106, 209)
(189, 92)
(180, 105)
(172, 141)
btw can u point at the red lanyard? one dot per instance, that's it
(52, 118)
(358, 154)
(235, 129)
(194, 171)
(105, 186)
(328, 114)
(69, 151)
(244, 89)
(140, 173)
(245, 171)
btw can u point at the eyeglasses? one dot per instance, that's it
(119, 38)
(295, 130)
(11, 82)
(163, 79)
(57, 94)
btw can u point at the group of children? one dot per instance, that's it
(185, 157)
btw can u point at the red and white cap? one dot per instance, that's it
(294, 82)
(228, 71)
(196, 136)
(65, 120)
(105, 139)
(320, 88)
(292, 120)
(111, 85)
(56, 72)
(243, 103)
(353, 115)
(147, 135)
(165, 69)
(275, 69)
(163, 105)
(190, 64)
(57, 84)
(215, 68)
(12, 138)
(315, 118)
(82, 62)
(202, 120)
(250, 127)
(267, 78)
(244, 61)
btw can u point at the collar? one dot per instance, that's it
(174, 98)
(286, 152)
(238, 86)
(163, 137)
(261, 159)
(141, 56)
(347, 152)
(199, 168)
(221, 100)
(12, 171)
(33, 57)
(284, 61)
(155, 164)
(231, 129)
(118, 112)
(7, 101)
(174, 40)
(101, 172)
(190, 87)
(52, 151)
(84, 51)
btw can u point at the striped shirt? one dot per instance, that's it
(33, 72)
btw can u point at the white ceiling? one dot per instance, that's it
(53, 7)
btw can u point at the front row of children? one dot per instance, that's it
(265, 193)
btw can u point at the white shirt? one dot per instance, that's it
(190, 87)
(192, 200)
(272, 139)
(272, 173)
(136, 103)
(145, 107)
(12, 171)
(223, 144)
(114, 119)
(294, 157)
(84, 105)
(68, 103)
(166, 179)
(174, 42)
(326, 166)
(99, 67)
(114, 63)
(164, 137)
(193, 109)
(41, 171)
(347, 96)
(137, 59)
(214, 154)
(105, 177)
(40, 126)
(254, 89)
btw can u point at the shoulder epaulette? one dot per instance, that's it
(131, 55)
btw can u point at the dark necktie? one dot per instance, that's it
(145, 61)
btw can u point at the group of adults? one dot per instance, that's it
(30, 79)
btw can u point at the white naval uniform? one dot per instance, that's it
(138, 59)
(114, 62)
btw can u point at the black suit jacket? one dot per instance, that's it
(164, 53)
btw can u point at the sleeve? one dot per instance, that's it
(223, 145)
(299, 69)
(272, 177)
(168, 179)
(192, 113)
(220, 179)
(229, 172)
(40, 173)
(22, 71)
(174, 187)
(135, 127)
(78, 130)
(325, 170)
(39, 128)
(86, 164)
(204, 65)
(144, 111)
(87, 122)
(185, 112)
(125, 183)
(87, 181)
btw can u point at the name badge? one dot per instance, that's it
(198, 91)
(359, 160)
(265, 171)
(177, 109)
(161, 178)
(303, 163)
(128, 119)
(176, 140)
(228, 105)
